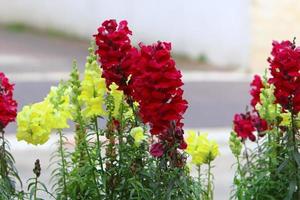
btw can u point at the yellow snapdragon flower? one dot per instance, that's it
(33, 123)
(93, 90)
(202, 150)
(59, 97)
(36, 122)
(138, 134)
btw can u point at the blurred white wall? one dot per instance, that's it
(272, 20)
(218, 29)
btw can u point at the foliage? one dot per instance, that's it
(126, 115)
(270, 168)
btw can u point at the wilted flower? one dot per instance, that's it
(157, 150)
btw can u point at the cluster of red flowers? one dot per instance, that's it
(8, 106)
(114, 52)
(246, 124)
(154, 82)
(256, 86)
(285, 71)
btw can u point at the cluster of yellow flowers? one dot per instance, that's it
(93, 90)
(138, 135)
(35, 122)
(201, 149)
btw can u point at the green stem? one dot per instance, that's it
(199, 178)
(209, 188)
(98, 145)
(133, 111)
(81, 126)
(120, 135)
(247, 155)
(241, 174)
(296, 151)
(35, 189)
(63, 162)
(3, 162)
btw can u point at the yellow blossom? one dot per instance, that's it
(200, 148)
(93, 90)
(138, 134)
(33, 123)
(59, 97)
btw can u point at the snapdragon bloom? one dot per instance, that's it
(147, 76)
(285, 67)
(201, 149)
(242, 125)
(256, 86)
(246, 124)
(8, 106)
(156, 86)
(115, 52)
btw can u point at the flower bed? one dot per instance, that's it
(126, 114)
(126, 117)
(271, 169)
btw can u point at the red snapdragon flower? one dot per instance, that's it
(256, 86)
(246, 124)
(285, 71)
(148, 76)
(115, 52)
(156, 86)
(243, 126)
(260, 124)
(8, 106)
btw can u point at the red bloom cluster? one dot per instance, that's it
(256, 86)
(156, 84)
(246, 124)
(115, 52)
(285, 71)
(154, 81)
(8, 106)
